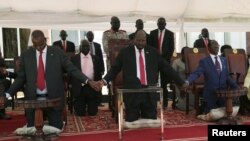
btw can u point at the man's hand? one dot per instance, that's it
(3, 72)
(95, 85)
(185, 85)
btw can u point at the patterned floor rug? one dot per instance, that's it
(101, 123)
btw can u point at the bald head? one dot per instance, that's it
(38, 40)
(140, 39)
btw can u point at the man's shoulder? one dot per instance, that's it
(122, 31)
(107, 31)
(95, 43)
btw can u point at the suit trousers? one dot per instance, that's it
(86, 102)
(164, 82)
(140, 105)
(54, 116)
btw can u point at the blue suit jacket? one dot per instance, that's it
(213, 81)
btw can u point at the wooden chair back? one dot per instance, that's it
(237, 64)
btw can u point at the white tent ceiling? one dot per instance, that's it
(224, 15)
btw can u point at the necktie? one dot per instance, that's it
(91, 48)
(142, 69)
(64, 46)
(217, 65)
(40, 81)
(159, 42)
(206, 43)
(85, 65)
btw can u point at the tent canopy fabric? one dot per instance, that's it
(186, 14)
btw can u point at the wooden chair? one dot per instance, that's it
(193, 57)
(237, 64)
(114, 47)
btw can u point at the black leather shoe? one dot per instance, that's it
(5, 117)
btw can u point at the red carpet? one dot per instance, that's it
(103, 127)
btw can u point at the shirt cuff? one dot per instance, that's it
(8, 96)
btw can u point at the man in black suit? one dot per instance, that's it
(140, 65)
(5, 84)
(41, 71)
(163, 40)
(64, 44)
(139, 26)
(203, 41)
(95, 49)
(85, 97)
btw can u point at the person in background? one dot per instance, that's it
(163, 40)
(113, 33)
(85, 97)
(139, 25)
(41, 71)
(215, 72)
(64, 44)
(179, 66)
(140, 65)
(222, 49)
(203, 42)
(95, 49)
(5, 84)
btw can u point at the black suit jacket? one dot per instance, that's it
(56, 64)
(76, 84)
(167, 43)
(126, 61)
(199, 43)
(98, 53)
(70, 45)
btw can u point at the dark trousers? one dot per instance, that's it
(140, 105)
(164, 82)
(86, 102)
(54, 117)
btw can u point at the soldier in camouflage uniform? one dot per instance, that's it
(113, 33)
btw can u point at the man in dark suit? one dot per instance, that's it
(139, 26)
(215, 71)
(85, 97)
(95, 49)
(5, 84)
(203, 41)
(140, 65)
(41, 71)
(64, 44)
(163, 40)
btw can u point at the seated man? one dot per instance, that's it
(179, 66)
(245, 100)
(5, 84)
(214, 69)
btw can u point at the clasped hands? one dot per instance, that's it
(96, 85)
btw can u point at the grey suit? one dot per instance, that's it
(56, 64)
(126, 61)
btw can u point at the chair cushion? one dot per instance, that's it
(31, 130)
(143, 123)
